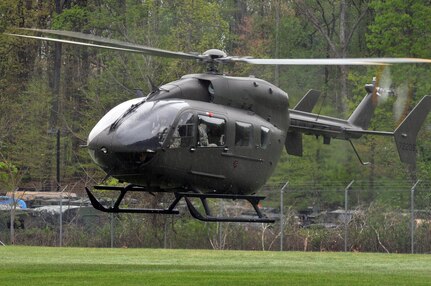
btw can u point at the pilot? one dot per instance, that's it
(203, 136)
(176, 139)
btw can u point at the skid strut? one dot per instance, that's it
(253, 200)
(259, 217)
(115, 208)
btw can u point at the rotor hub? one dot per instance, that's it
(215, 54)
(211, 56)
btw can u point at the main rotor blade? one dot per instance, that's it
(333, 61)
(74, 43)
(100, 42)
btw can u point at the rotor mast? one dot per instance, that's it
(211, 59)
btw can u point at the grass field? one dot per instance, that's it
(89, 266)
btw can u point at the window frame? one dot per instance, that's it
(221, 142)
(245, 127)
(265, 143)
(189, 127)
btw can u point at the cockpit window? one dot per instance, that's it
(243, 134)
(211, 131)
(184, 133)
(112, 116)
(149, 126)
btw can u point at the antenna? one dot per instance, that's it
(154, 87)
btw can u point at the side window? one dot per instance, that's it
(264, 137)
(211, 131)
(243, 134)
(184, 133)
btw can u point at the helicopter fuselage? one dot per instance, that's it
(211, 132)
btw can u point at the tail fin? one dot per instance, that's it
(406, 133)
(308, 102)
(362, 115)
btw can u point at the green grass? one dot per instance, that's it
(88, 266)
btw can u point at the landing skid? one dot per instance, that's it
(253, 200)
(115, 208)
(258, 217)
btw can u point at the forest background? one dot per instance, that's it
(46, 87)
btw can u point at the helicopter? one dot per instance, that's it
(214, 136)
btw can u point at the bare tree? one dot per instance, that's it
(326, 16)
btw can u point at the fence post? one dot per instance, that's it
(412, 216)
(60, 243)
(112, 225)
(346, 199)
(165, 233)
(220, 225)
(61, 220)
(282, 214)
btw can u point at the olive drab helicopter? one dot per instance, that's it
(213, 136)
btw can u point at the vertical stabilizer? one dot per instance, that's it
(308, 102)
(406, 133)
(361, 116)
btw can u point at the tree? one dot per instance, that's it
(10, 178)
(402, 28)
(336, 21)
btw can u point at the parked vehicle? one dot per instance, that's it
(8, 202)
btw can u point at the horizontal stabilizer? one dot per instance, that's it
(406, 133)
(308, 102)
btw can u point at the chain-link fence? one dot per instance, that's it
(347, 217)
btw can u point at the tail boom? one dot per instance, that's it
(405, 134)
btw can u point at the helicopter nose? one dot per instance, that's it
(113, 152)
(99, 146)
